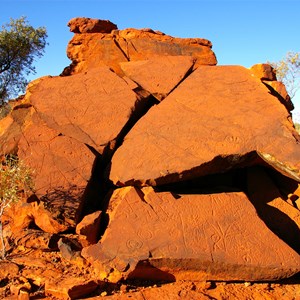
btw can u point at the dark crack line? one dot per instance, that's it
(120, 48)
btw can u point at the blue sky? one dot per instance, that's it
(243, 32)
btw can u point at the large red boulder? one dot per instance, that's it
(192, 237)
(88, 25)
(61, 167)
(218, 118)
(96, 106)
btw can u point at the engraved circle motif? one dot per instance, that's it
(145, 234)
(174, 232)
(173, 248)
(134, 244)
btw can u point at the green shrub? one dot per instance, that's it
(15, 183)
(297, 126)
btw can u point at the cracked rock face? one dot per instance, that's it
(62, 168)
(217, 113)
(89, 50)
(158, 75)
(196, 237)
(96, 106)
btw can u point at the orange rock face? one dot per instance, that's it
(196, 237)
(88, 25)
(97, 105)
(92, 50)
(158, 75)
(209, 123)
(62, 166)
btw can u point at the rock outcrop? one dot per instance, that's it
(90, 50)
(151, 163)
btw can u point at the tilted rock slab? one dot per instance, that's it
(190, 237)
(158, 75)
(92, 107)
(208, 124)
(61, 166)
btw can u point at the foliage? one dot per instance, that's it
(288, 71)
(15, 183)
(4, 110)
(20, 44)
(297, 126)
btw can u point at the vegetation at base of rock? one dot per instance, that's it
(15, 182)
(20, 45)
(297, 126)
(288, 72)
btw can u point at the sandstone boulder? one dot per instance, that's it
(196, 237)
(278, 89)
(97, 105)
(89, 228)
(158, 75)
(215, 120)
(61, 167)
(88, 25)
(263, 71)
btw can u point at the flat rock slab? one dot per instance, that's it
(218, 114)
(192, 237)
(92, 107)
(158, 75)
(61, 167)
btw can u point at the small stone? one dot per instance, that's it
(246, 284)
(103, 294)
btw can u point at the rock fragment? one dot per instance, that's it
(89, 228)
(70, 288)
(88, 25)
(158, 75)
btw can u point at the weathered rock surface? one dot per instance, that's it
(71, 288)
(11, 128)
(196, 237)
(280, 216)
(267, 75)
(90, 50)
(208, 124)
(278, 89)
(62, 167)
(88, 25)
(158, 75)
(263, 72)
(97, 105)
(89, 228)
